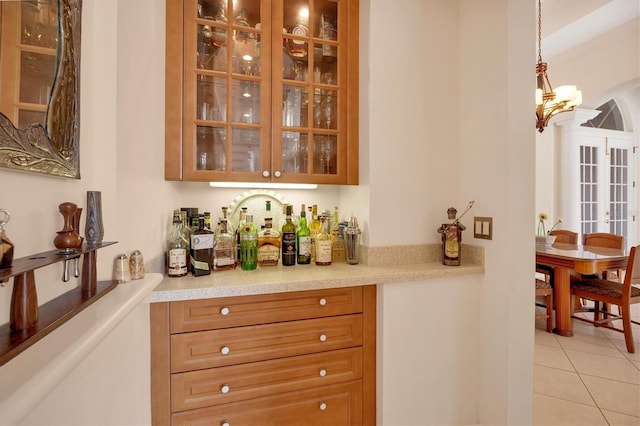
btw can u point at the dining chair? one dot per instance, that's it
(543, 289)
(606, 240)
(563, 236)
(614, 293)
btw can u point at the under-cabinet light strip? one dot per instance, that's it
(258, 185)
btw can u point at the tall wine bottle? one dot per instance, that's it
(289, 252)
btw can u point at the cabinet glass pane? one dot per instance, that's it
(211, 148)
(326, 19)
(246, 53)
(295, 106)
(40, 23)
(245, 104)
(325, 105)
(212, 53)
(37, 72)
(295, 155)
(245, 150)
(325, 154)
(211, 98)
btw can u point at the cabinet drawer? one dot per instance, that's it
(203, 388)
(217, 348)
(206, 314)
(331, 405)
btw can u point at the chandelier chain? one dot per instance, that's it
(539, 31)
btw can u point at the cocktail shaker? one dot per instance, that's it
(352, 240)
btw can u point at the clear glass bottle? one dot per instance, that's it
(303, 239)
(219, 34)
(177, 247)
(268, 244)
(314, 228)
(289, 251)
(224, 251)
(241, 222)
(248, 244)
(323, 244)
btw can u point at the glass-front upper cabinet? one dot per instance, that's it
(262, 91)
(29, 36)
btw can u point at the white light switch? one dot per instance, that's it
(483, 227)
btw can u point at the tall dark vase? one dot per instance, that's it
(94, 231)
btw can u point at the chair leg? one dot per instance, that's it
(549, 300)
(596, 311)
(626, 326)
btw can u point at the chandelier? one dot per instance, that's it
(550, 101)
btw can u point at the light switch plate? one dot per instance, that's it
(483, 227)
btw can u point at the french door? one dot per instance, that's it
(607, 173)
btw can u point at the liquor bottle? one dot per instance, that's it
(338, 248)
(303, 240)
(225, 216)
(241, 222)
(224, 251)
(248, 244)
(207, 221)
(268, 244)
(323, 244)
(201, 249)
(177, 248)
(185, 230)
(314, 228)
(289, 240)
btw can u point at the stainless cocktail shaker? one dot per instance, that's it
(352, 240)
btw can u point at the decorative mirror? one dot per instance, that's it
(40, 86)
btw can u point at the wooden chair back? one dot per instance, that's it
(564, 236)
(603, 239)
(633, 272)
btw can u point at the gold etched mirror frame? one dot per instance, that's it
(52, 149)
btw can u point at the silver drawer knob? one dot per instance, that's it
(225, 424)
(265, 173)
(323, 337)
(323, 301)
(224, 311)
(323, 372)
(225, 389)
(277, 173)
(323, 406)
(225, 350)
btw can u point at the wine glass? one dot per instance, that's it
(328, 152)
(328, 110)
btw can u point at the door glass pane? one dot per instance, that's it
(245, 150)
(294, 106)
(325, 154)
(211, 98)
(246, 101)
(295, 154)
(211, 148)
(246, 36)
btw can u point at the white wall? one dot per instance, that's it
(445, 118)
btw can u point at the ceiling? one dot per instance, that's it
(568, 23)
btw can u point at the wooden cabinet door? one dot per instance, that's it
(251, 97)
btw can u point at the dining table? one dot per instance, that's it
(569, 260)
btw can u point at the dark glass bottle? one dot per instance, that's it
(201, 249)
(289, 252)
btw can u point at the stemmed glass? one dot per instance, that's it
(328, 152)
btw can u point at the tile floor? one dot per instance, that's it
(587, 379)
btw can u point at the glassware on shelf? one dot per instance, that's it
(329, 110)
(219, 33)
(291, 152)
(295, 47)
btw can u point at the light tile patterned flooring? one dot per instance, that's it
(587, 379)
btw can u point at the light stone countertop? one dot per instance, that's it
(381, 265)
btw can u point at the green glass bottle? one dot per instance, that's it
(289, 240)
(303, 240)
(248, 245)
